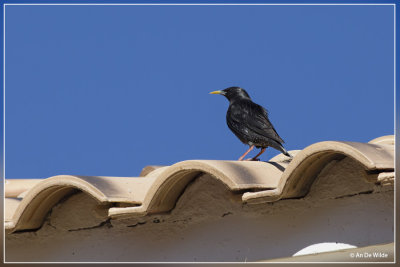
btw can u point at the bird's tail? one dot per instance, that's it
(285, 152)
(279, 146)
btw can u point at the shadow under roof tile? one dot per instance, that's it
(161, 186)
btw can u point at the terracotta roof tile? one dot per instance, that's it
(15, 187)
(237, 176)
(307, 164)
(159, 187)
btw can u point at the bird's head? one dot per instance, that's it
(233, 93)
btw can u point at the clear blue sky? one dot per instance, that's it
(107, 90)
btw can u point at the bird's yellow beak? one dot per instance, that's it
(216, 93)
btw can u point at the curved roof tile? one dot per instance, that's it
(159, 187)
(236, 175)
(38, 201)
(384, 140)
(15, 187)
(307, 164)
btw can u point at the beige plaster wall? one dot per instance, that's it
(209, 223)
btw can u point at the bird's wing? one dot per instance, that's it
(256, 119)
(267, 125)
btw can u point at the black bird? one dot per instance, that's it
(249, 122)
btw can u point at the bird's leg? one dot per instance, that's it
(245, 153)
(262, 151)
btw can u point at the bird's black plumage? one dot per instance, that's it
(249, 121)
